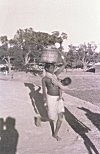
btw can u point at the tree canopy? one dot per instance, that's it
(27, 45)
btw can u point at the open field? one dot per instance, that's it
(87, 85)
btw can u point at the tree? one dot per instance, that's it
(32, 43)
(86, 53)
(27, 45)
(83, 53)
(70, 56)
(5, 53)
(59, 37)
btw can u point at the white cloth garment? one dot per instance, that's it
(55, 106)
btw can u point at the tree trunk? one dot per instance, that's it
(9, 65)
(84, 62)
(27, 58)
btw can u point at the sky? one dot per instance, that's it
(80, 19)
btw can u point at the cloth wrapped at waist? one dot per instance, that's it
(55, 106)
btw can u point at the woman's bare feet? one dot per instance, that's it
(57, 137)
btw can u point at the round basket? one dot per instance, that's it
(49, 56)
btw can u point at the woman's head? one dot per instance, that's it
(50, 67)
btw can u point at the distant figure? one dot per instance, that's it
(6, 70)
(12, 76)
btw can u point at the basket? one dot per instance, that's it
(49, 56)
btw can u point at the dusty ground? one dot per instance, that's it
(80, 130)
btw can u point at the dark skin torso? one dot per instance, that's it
(48, 86)
(51, 88)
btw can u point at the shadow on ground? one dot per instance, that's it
(80, 129)
(8, 136)
(37, 101)
(93, 117)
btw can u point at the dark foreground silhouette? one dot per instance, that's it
(80, 129)
(8, 136)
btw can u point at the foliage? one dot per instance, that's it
(82, 55)
(26, 46)
(32, 43)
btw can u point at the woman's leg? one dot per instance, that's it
(58, 125)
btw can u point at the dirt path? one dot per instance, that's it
(15, 102)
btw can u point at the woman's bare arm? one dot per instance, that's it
(62, 67)
(44, 90)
